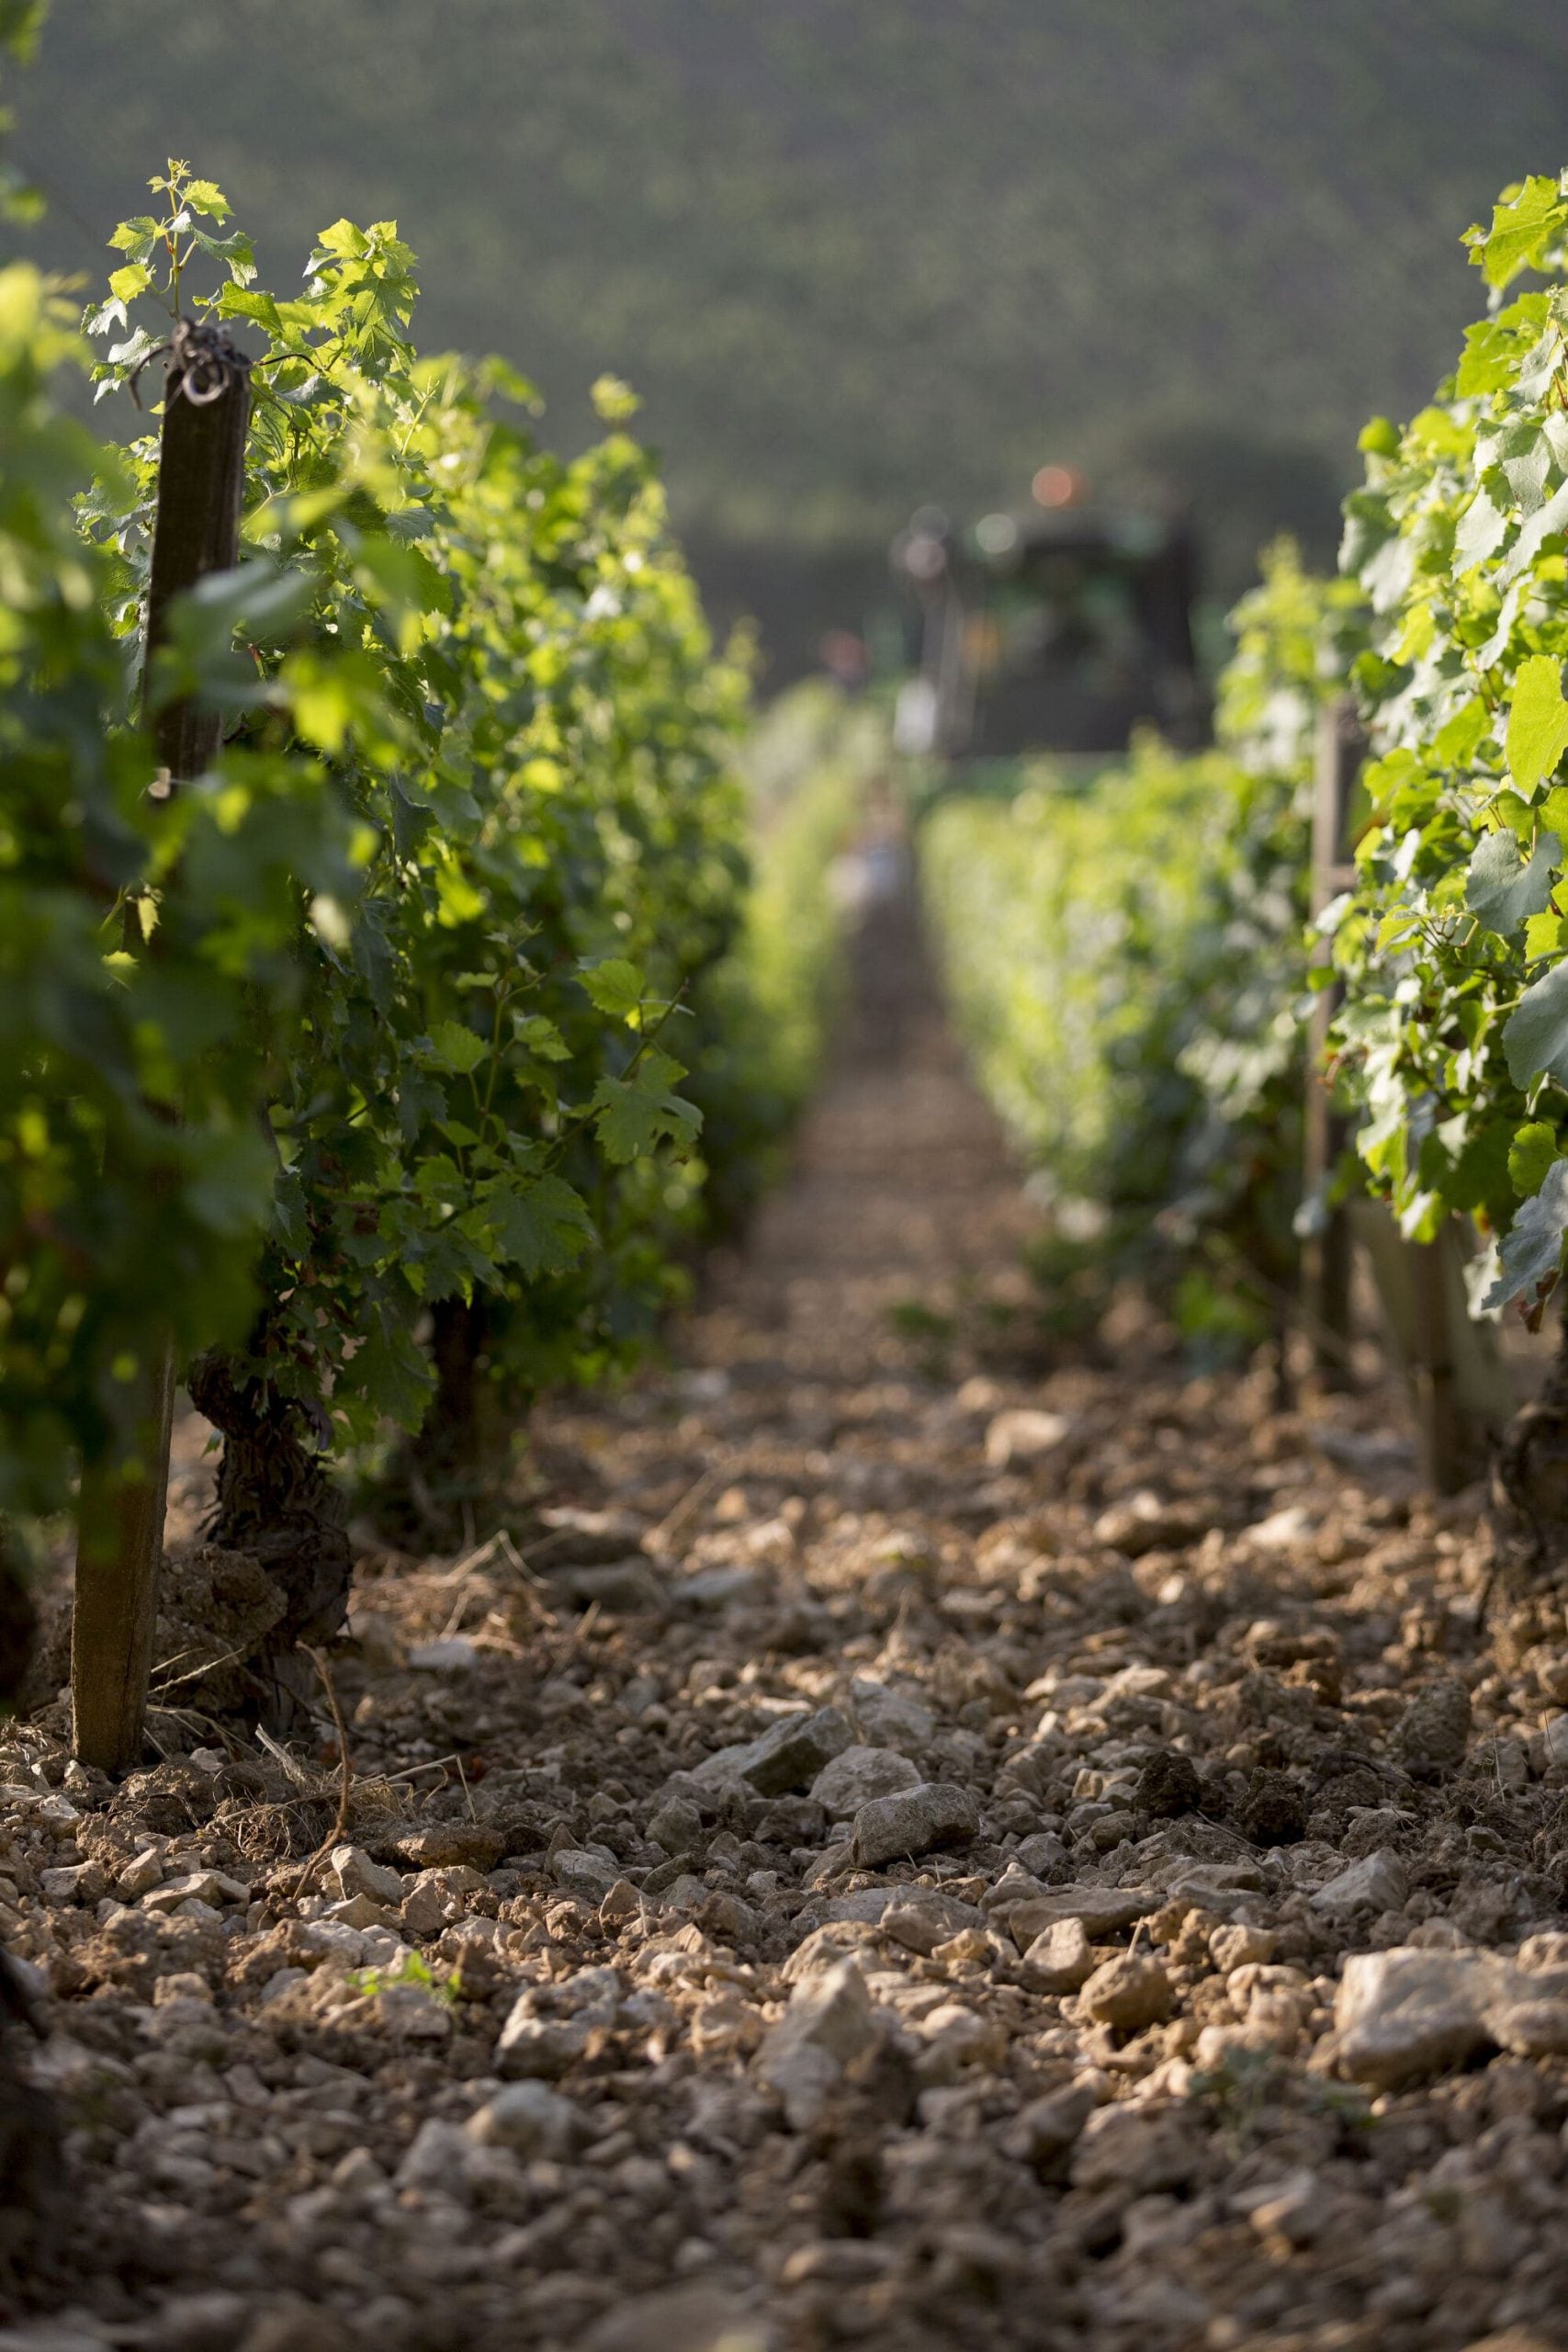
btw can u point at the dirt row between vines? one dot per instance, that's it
(906, 1840)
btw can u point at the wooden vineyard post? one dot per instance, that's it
(121, 1514)
(1462, 1396)
(1327, 1253)
(1447, 1439)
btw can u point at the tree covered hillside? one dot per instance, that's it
(858, 258)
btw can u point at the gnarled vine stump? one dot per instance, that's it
(1529, 1497)
(31, 2185)
(276, 1503)
(445, 1482)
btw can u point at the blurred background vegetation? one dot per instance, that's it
(856, 258)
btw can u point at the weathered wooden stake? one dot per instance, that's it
(1326, 1255)
(121, 1516)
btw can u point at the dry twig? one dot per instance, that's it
(339, 1830)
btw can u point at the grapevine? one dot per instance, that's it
(1450, 944)
(500, 660)
(1128, 961)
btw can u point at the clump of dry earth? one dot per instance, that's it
(879, 1851)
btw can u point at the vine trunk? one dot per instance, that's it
(1530, 1488)
(29, 2142)
(276, 1502)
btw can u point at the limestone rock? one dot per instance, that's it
(890, 1718)
(445, 1843)
(1281, 1529)
(79, 1882)
(957, 2037)
(410, 2012)
(536, 2047)
(1059, 1960)
(588, 1871)
(457, 1654)
(622, 1903)
(214, 1888)
(1128, 1992)
(359, 1911)
(857, 1775)
(1043, 1854)
(1221, 1888)
(677, 1826)
(919, 1918)
(1234, 1946)
(789, 1754)
(1144, 1524)
(677, 2319)
(1413, 2011)
(1022, 1434)
(1403, 2014)
(827, 2025)
(1125, 2147)
(143, 1872)
(436, 2157)
(1530, 2028)
(619, 1588)
(1102, 1909)
(1041, 2133)
(1377, 1883)
(529, 2118)
(934, 1813)
(686, 1892)
(356, 1874)
(437, 1898)
(1299, 2208)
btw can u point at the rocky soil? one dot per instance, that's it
(905, 1839)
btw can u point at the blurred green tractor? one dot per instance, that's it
(1062, 629)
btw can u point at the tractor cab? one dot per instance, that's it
(1059, 629)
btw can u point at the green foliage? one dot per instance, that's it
(133, 1179)
(765, 1012)
(414, 1970)
(1455, 1028)
(395, 1005)
(1128, 964)
(499, 660)
(21, 21)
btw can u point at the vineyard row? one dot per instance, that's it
(1133, 960)
(386, 1007)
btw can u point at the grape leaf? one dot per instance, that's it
(391, 1373)
(1543, 524)
(458, 1046)
(543, 1227)
(613, 987)
(1501, 890)
(1538, 722)
(1519, 231)
(1530, 1155)
(1482, 529)
(1531, 1253)
(1535, 1036)
(633, 1114)
(1526, 471)
(206, 196)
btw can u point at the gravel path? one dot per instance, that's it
(907, 1840)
